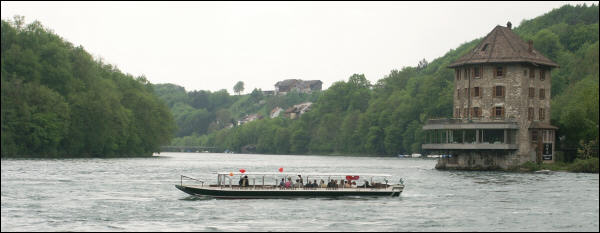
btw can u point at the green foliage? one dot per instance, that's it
(239, 87)
(386, 118)
(58, 101)
(588, 165)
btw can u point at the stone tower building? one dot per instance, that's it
(501, 114)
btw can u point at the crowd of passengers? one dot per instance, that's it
(332, 184)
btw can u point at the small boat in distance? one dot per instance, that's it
(268, 185)
(415, 155)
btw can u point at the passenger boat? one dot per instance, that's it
(267, 185)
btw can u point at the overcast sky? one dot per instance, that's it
(212, 45)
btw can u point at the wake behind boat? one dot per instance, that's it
(282, 185)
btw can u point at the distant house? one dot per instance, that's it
(285, 86)
(298, 109)
(249, 118)
(276, 112)
(268, 92)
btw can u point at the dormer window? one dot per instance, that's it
(484, 47)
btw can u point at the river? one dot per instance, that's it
(138, 194)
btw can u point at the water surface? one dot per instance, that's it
(138, 194)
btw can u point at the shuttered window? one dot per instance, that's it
(542, 94)
(542, 114)
(542, 74)
(457, 71)
(476, 72)
(498, 91)
(499, 72)
(530, 114)
(498, 112)
(476, 92)
(476, 112)
(532, 92)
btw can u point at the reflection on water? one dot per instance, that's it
(138, 194)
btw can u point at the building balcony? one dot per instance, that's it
(474, 123)
(470, 146)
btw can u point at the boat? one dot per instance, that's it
(415, 155)
(267, 185)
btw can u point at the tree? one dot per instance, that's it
(239, 87)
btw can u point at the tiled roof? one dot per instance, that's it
(502, 45)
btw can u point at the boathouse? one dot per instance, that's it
(501, 108)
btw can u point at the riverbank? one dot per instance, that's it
(590, 165)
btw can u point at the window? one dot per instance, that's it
(466, 73)
(498, 91)
(466, 92)
(542, 114)
(534, 135)
(542, 74)
(476, 72)
(457, 113)
(457, 74)
(457, 93)
(524, 72)
(492, 136)
(476, 112)
(465, 112)
(476, 92)
(498, 112)
(531, 72)
(530, 114)
(484, 47)
(499, 71)
(531, 92)
(542, 94)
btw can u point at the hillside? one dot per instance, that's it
(202, 112)
(57, 101)
(386, 117)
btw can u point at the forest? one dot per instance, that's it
(58, 101)
(386, 117)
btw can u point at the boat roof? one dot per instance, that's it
(303, 174)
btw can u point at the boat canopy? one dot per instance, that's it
(303, 174)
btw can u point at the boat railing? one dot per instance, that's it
(191, 178)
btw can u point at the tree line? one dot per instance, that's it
(58, 101)
(386, 117)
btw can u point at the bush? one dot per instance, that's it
(588, 165)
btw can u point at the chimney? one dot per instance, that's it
(509, 25)
(530, 45)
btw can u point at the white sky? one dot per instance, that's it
(212, 45)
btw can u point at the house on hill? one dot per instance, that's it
(298, 109)
(249, 118)
(285, 86)
(276, 112)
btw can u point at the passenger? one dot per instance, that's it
(246, 181)
(241, 182)
(346, 184)
(315, 184)
(300, 181)
(288, 184)
(342, 183)
(282, 183)
(309, 185)
(366, 185)
(353, 185)
(323, 185)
